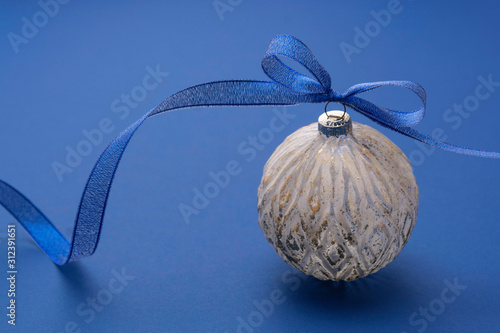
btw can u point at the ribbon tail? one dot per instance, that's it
(394, 121)
(90, 216)
(236, 93)
(47, 237)
(412, 133)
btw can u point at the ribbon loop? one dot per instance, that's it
(294, 49)
(288, 87)
(389, 117)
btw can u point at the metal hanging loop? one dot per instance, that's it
(343, 114)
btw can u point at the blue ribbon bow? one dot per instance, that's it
(288, 87)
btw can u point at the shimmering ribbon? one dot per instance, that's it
(288, 87)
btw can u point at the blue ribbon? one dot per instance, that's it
(288, 87)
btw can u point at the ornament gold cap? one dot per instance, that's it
(335, 123)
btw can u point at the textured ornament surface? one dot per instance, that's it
(338, 208)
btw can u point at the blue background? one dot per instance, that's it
(205, 275)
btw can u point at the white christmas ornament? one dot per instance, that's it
(338, 200)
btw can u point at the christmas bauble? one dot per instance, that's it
(338, 200)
